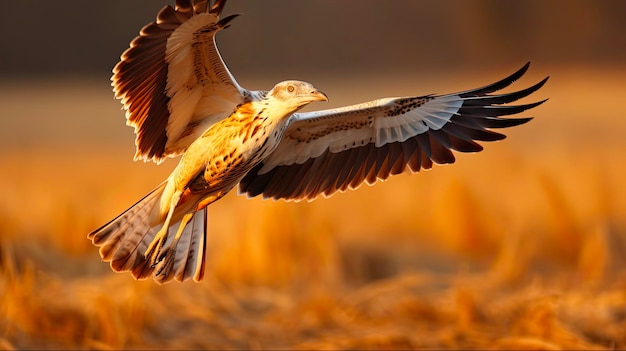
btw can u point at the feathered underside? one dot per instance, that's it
(172, 80)
(334, 150)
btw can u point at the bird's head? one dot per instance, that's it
(296, 94)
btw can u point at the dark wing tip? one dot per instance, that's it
(518, 74)
(501, 84)
(225, 22)
(217, 7)
(191, 6)
(532, 89)
(185, 6)
(525, 92)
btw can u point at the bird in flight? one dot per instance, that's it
(182, 100)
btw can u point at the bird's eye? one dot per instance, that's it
(291, 88)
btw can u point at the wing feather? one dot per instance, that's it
(172, 80)
(323, 152)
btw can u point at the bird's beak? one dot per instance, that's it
(317, 95)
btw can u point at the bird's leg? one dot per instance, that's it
(161, 236)
(168, 261)
(208, 200)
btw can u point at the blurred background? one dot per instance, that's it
(521, 246)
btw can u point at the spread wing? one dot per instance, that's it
(334, 150)
(172, 80)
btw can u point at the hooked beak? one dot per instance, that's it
(317, 95)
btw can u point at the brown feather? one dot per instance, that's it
(365, 162)
(140, 79)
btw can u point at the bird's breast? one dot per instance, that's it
(234, 146)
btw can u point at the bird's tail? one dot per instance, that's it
(124, 240)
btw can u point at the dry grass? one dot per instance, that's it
(519, 247)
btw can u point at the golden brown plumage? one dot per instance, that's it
(181, 99)
(146, 238)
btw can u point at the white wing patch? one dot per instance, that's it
(183, 87)
(381, 121)
(179, 51)
(196, 91)
(296, 151)
(433, 114)
(315, 136)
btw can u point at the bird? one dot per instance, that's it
(182, 101)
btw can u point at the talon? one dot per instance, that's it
(166, 259)
(157, 260)
(154, 249)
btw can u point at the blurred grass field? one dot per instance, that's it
(521, 246)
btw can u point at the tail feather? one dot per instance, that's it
(190, 252)
(199, 254)
(122, 234)
(124, 240)
(191, 259)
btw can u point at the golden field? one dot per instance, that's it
(521, 246)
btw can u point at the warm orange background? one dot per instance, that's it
(519, 246)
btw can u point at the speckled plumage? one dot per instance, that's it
(181, 99)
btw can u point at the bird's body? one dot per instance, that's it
(215, 162)
(211, 166)
(181, 99)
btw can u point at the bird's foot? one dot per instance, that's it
(166, 262)
(153, 253)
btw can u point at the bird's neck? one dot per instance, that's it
(268, 112)
(264, 123)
